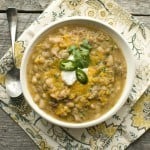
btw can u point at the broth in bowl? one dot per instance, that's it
(76, 73)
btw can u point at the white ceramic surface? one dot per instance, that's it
(120, 42)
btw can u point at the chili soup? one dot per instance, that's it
(76, 73)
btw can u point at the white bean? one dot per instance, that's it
(44, 95)
(55, 39)
(49, 82)
(37, 75)
(70, 104)
(42, 104)
(45, 54)
(110, 60)
(34, 79)
(36, 98)
(54, 51)
(93, 106)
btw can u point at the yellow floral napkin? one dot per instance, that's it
(126, 125)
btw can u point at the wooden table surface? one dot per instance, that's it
(12, 137)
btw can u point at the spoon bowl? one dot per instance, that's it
(12, 82)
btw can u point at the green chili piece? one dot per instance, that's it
(81, 76)
(68, 65)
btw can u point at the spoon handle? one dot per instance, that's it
(12, 22)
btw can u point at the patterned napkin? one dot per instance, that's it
(125, 126)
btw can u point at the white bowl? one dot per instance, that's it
(117, 38)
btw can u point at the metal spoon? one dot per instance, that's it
(12, 82)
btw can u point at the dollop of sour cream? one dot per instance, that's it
(69, 77)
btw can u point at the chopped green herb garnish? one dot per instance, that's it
(81, 55)
(81, 60)
(84, 51)
(86, 44)
(72, 48)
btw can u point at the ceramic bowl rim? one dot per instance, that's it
(114, 109)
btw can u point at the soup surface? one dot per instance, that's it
(76, 73)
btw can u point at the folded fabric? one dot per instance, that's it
(126, 125)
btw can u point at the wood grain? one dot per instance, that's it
(29, 5)
(136, 7)
(142, 143)
(133, 6)
(12, 137)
